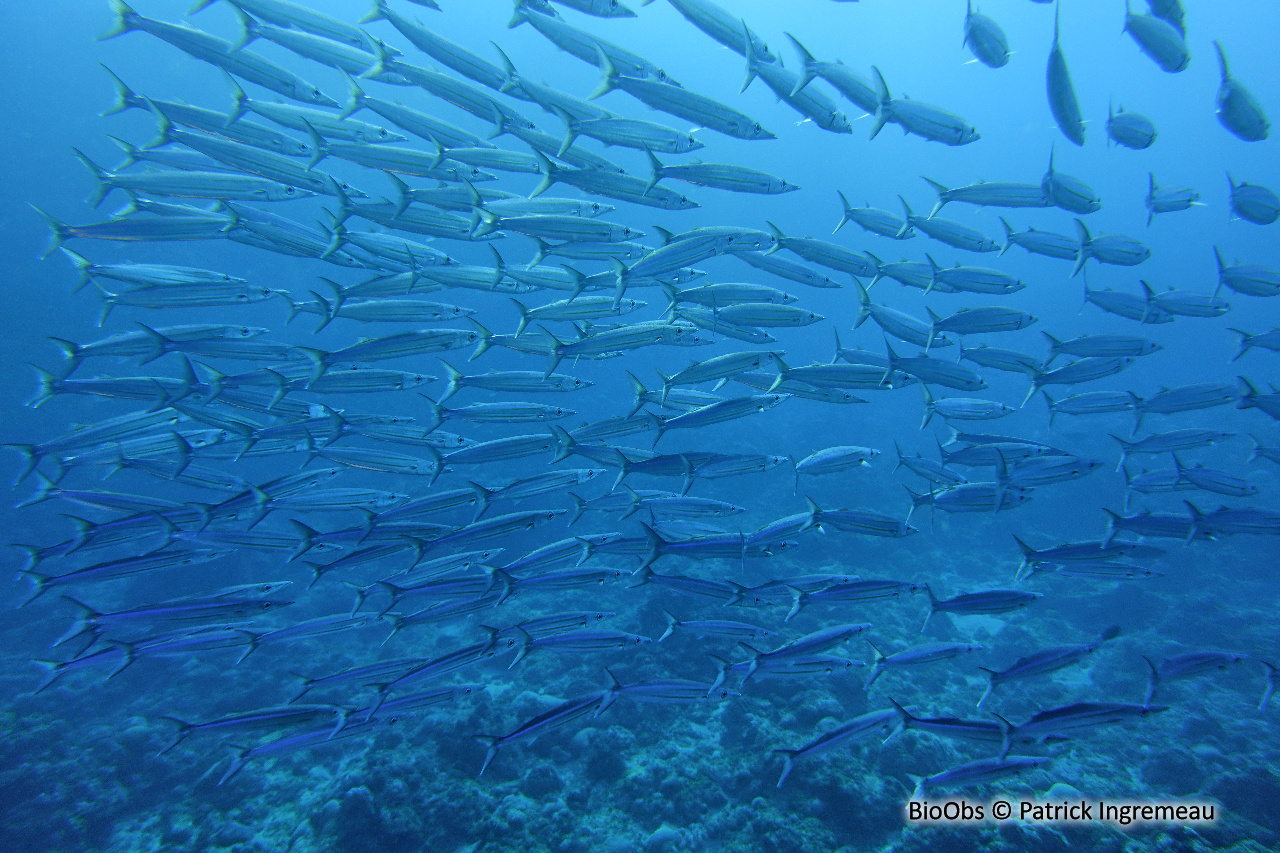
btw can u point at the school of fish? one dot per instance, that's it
(458, 503)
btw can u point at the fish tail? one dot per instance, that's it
(492, 742)
(940, 189)
(59, 231)
(991, 686)
(184, 729)
(565, 445)
(38, 584)
(608, 72)
(1008, 234)
(1271, 685)
(52, 671)
(377, 13)
(48, 387)
(789, 757)
(1082, 232)
(1245, 343)
(844, 217)
(882, 108)
(486, 340)
(383, 63)
(238, 761)
(639, 391)
(656, 171)
(810, 67)
(126, 99)
(126, 20)
(1222, 61)
(1153, 684)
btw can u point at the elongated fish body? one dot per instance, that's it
(1170, 442)
(287, 14)
(1186, 304)
(1067, 192)
(970, 321)
(985, 602)
(265, 164)
(134, 229)
(948, 231)
(917, 656)
(833, 459)
(585, 46)
(611, 185)
(209, 121)
(344, 57)
(910, 274)
(219, 52)
(827, 254)
(1167, 199)
(980, 772)
(876, 221)
(1039, 242)
(961, 408)
(418, 123)
(439, 48)
(151, 275)
(211, 185)
(723, 26)
(856, 88)
(1082, 715)
(298, 118)
(972, 279)
(897, 323)
(1251, 279)
(925, 120)
(991, 194)
(1238, 109)
(873, 722)
(1128, 305)
(1158, 39)
(599, 8)
(1062, 94)
(1254, 203)
(723, 176)
(767, 315)
(936, 371)
(729, 293)
(810, 103)
(1131, 130)
(1080, 371)
(985, 38)
(1114, 249)
(1047, 470)
(788, 270)
(631, 133)
(683, 103)
(1101, 346)
(1002, 359)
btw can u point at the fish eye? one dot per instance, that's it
(595, 207)
(288, 190)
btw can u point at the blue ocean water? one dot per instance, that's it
(82, 767)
